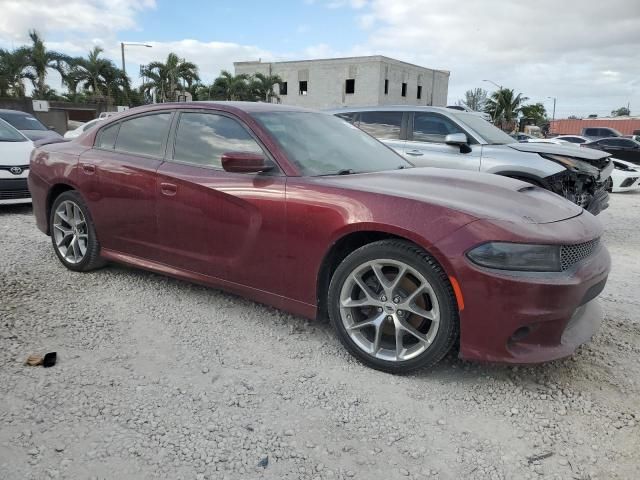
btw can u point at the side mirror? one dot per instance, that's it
(244, 162)
(456, 139)
(459, 139)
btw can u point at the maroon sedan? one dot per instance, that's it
(302, 211)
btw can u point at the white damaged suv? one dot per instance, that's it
(447, 138)
(15, 151)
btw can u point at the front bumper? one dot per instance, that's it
(14, 190)
(527, 317)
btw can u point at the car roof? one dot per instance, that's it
(20, 112)
(248, 107)
(399, 108)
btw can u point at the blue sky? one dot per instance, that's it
(583, 52)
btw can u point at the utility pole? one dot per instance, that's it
(553, 116)
(136, 44)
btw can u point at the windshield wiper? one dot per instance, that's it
(345, 171)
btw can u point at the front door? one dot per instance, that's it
(226, 225)
(426, 145)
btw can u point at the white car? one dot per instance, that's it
(625, 176)
(15, 152)
(76, 132)
(577, 139)
(556, 141)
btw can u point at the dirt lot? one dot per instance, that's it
(161, 379)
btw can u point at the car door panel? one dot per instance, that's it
(214, 222)
(217, 223)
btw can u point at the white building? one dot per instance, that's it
(353, 81)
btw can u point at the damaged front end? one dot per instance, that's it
(584, 182)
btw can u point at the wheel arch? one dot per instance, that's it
(524, 176)
(54, 192)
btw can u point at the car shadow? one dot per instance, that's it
(21, 208)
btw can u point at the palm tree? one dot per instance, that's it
(231, 87)
(40, 61)
(164, 78)
(14, 71)
(98, 75)
(504, 107)
(262, 86)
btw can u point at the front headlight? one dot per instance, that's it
(517, 256)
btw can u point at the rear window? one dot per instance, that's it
(22, 121)
(145, 135)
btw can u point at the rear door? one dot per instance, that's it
(226, 225)
(426, 145)
(119, 178)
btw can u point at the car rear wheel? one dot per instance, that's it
(73, 234)
(393, 307)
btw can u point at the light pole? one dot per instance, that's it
(493, 119)
(553, 117)
(136, 44)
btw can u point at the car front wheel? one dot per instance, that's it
(393, 307)
(73, 234)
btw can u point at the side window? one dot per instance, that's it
(385, 125)
(144, 135)
(202, 138)
(431, 127)
(107, 137)
(606, 143)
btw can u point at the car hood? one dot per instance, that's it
(597, 158)
(483, 196)
(15, 153)
(40, 134)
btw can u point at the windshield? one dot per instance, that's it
(489, 133)
(22, 121)
(321, 144)
(10, 134)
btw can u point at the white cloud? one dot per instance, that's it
(584, 52)
(98, 17)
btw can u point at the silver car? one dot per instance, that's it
(446, 138)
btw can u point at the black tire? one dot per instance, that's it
(409, 254)
(91, 259)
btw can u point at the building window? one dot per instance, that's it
(283, 88)
(419, 92)
(386, 86)
(350, 85)
(303, 87)
(404, 89)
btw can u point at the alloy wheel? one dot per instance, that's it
(70, 232)
(389, 310)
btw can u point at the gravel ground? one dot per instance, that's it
(160, 378)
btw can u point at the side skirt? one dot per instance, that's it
(283, 303)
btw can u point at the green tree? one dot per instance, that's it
(231, 87)
(536, 112)
(41, 60)
(475, 99)
(165, 78)
(262, 86)
(622, 111)
(504, 106)
(14, 71)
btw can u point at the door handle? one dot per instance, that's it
(88, 168)
(168, 189)
(415, 153)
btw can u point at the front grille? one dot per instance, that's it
(14, 188)
(14, 194)
(572, 254)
